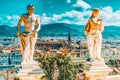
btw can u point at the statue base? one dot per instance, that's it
(113, 77)
(30, 72)
(98, 71)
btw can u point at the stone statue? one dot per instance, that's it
(93, 31)
(29, 36)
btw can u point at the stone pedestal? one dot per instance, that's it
(113, 77)
(30, 72)
(98, 71)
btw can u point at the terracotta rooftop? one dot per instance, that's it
(36, 54)
(73, 53)
(63, 50)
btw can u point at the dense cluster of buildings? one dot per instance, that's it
(10, 53)
(10, 50)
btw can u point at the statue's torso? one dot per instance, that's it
(94, 27)
(29, 22)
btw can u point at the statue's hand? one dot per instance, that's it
(86, 33)
(34, 32)
(18, 33)
(100, 19)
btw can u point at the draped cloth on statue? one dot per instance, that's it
(93, 31)
(27, 44)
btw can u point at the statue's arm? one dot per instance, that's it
(37, 23)
(87, 28)
(99, 23)
(101, 26)
(19, 25)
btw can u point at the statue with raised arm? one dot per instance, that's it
(93, 31)
(28, 38)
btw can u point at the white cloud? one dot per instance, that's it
(72, 17)
(44, 19)
(56, 17)
(81, 3)
(68, 1)
(109, 17)
(75, 17)
(8, 17)
(10, 20)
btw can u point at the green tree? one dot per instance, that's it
(67, 69)
(47, 63)
(16, 78)
(113, 63)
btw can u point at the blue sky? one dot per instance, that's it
(62, 11)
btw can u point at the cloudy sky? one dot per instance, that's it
(61, 11)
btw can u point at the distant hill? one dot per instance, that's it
(7, 31)
(61, 30)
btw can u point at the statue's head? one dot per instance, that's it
(95, 12)
(30, 9)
